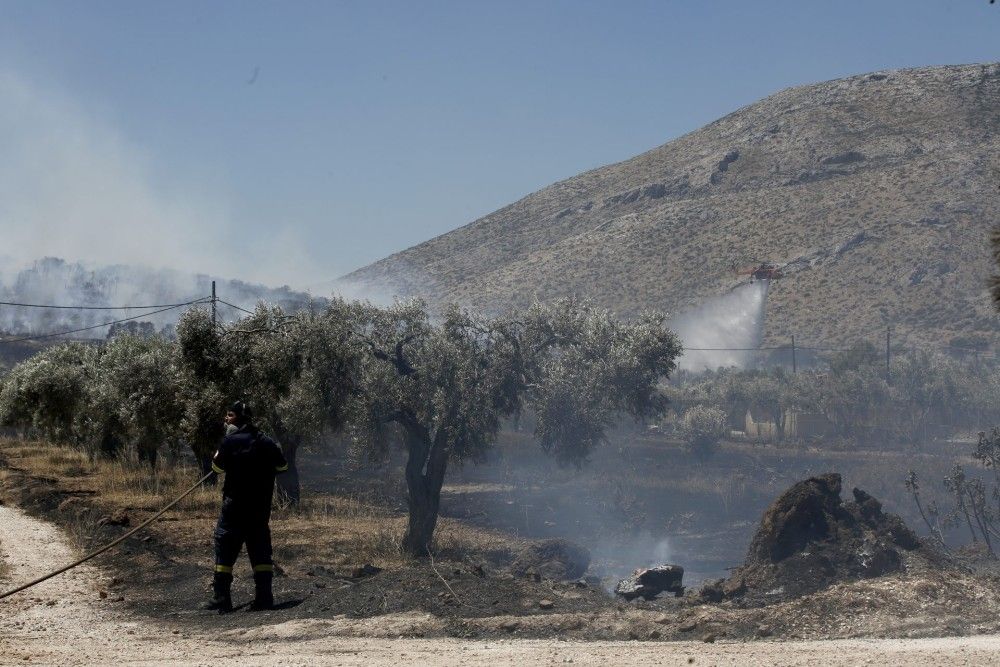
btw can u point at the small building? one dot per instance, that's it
(798, 424)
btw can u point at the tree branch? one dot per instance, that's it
(403, 367)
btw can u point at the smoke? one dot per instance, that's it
(731, 326)
(73, 186)
(616, 560)
(56, 281)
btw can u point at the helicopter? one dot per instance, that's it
(765, 271)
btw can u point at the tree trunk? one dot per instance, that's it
(149, 455)
(425, 468)
(288, 481)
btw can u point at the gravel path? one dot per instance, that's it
(64, 621)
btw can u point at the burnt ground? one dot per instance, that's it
(641, 500)
(471, 592)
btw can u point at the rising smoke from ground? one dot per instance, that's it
(734, 320)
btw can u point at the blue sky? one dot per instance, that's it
(293, 142)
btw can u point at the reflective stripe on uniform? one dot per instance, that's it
(281, 468)
(226, 569)
(216, 468)
(263, 568)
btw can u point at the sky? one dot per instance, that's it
(292, 142)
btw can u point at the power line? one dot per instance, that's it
(821, 348)
(161, 308)
(45, 305)
(773, 347)
(734, 349)
(98, 326)
(232, 305)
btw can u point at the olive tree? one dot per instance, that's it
(101, 398)
(135, 387)
(311, 400)
(46, 393)
(294, 370)
(931, 390)
(446, 386)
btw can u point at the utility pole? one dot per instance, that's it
(887, 347)
(795, 367)
(213, 305)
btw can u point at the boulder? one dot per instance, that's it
(647, 583)
(556, 559)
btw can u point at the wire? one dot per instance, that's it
(733, 349)
(110, 545)
(165, 307)
(43, 305)
(232, 305)
(98, 326)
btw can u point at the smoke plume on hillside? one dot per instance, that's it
(56, 281)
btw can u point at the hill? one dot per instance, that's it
(876, 192)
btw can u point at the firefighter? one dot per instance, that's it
(250, 460)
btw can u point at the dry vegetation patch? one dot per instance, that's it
(321, 547)
(339, 531)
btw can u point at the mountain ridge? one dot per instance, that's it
(876, 191)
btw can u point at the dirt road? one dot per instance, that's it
(65, 621)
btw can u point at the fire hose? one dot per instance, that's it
(110, 545)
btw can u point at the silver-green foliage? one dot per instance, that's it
(137, 387)
(295, 371)
(444, 387)
(44, 395)
(441, 386)
(123, 394)
(924, 395)
(702, 427)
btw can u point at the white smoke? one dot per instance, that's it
(729, 326)
(55, 281)
(72, 185)
(616, 560)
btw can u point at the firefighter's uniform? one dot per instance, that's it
(250, 460)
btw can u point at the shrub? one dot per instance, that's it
(702, 428)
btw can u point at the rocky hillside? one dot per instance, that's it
(876, 192)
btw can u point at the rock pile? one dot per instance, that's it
(809, 538)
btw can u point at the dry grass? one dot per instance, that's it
(118, 484)
(339, 532)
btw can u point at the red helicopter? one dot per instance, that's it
(765, 271)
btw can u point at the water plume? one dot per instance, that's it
(723, 331)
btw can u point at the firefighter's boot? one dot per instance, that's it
(222, 600)
(264, 598)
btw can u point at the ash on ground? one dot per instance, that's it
(555, 559)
